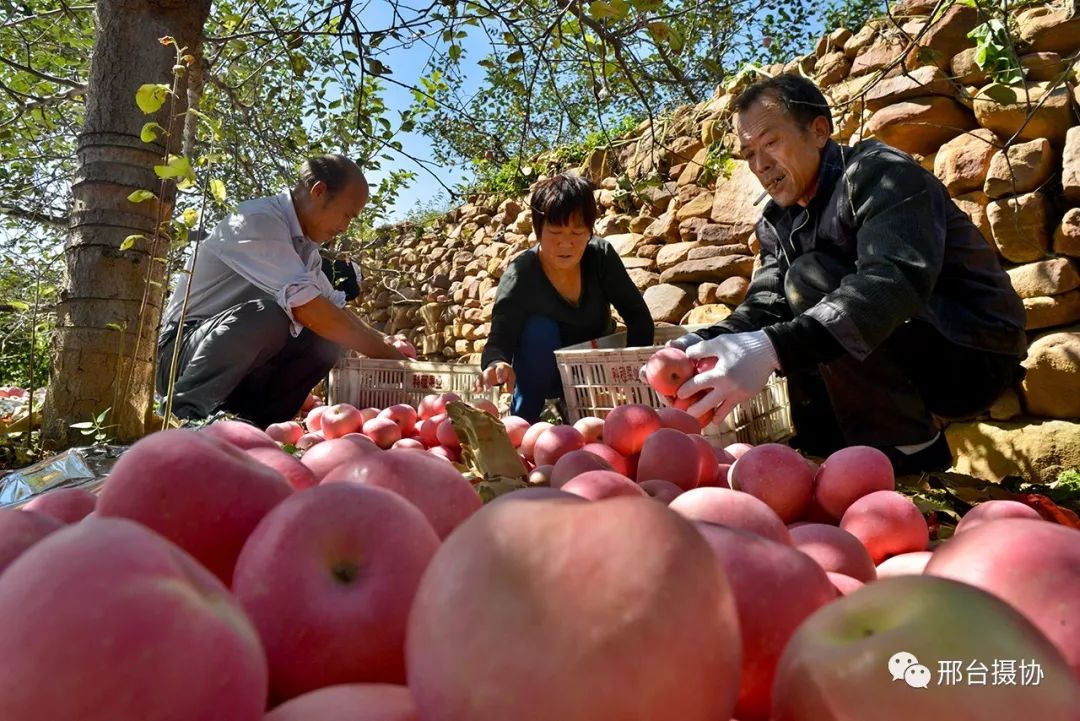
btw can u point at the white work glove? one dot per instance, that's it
(744, 362)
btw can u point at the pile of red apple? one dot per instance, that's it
(646, 576)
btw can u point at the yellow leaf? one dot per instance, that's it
(129, 242)
(217, 188)
(151, 96)
(149, 132)
(140, 195)
(190, 217)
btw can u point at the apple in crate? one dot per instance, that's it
(328, 578)
(205, 496)
(69, 505)
(115, 623)
(868, 655)
(667, 369)
(349, 702)
(549, 609)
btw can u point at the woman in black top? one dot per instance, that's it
(557, 294)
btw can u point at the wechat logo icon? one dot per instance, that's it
(903, 666)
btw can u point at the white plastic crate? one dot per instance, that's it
(601, 374)
(370, 383)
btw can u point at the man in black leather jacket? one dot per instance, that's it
(876, 296)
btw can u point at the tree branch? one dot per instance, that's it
(34, 215)
(39, 74)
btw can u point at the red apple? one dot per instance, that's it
(852, 658)
(328, 578)
(340, 419)
(591, 428)
(117, 624)
(21, 529)
(734, 509)
(887, 523)
(667, 369)
(69, 505)
(849, 474)
(515, 577)
(288, 433)
(627, 427)
(777, 475)
(205, 496)
(349, 702)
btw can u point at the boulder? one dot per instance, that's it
(1044, 277)
(946, 34)
(831, 42)
(883, 51)
(664, 229)
(1020, 168)
(612, 225)
(734, 203)
(1070, 165)
(926, 81)
(920, 125)
(832, 68)
(966, 71)
(1006, 406)
(1019, 227)
(1049, 29)
(1005, 109)
(1051, 386)
(974, 205)
(692, 169)
(706, 293)
(709, 269)
(733, 290)
(639, 223)
(1052, 311)
(673, 254)
(643, 279)
(689, 228)
(1038, 451)
(715, 251)
(699, 207)
(1043, 66)
(668, 303)
(706, 315)
(961, 163)
(626, 243)
(1067, 235)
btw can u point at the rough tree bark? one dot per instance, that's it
(97, 367)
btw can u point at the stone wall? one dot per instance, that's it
(683, 220)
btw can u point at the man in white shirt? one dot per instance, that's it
(263, 324)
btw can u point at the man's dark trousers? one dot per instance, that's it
(244, 360)
(891, 396)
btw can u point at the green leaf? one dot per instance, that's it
(17, 305)
(515, 57)
(140, 195)
(659, 31)
(129, 242)
(377, 68)
(455, 52)
(176, 166)
(83, 425)
(151, 96)
(149, 132)
(217, 189)
(115, 326)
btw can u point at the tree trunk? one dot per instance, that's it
(101, 316)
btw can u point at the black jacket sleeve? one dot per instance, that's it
(507, 320)
(626, 298)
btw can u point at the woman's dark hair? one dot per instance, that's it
(334, 171)
(800, 97)
(557, 199)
